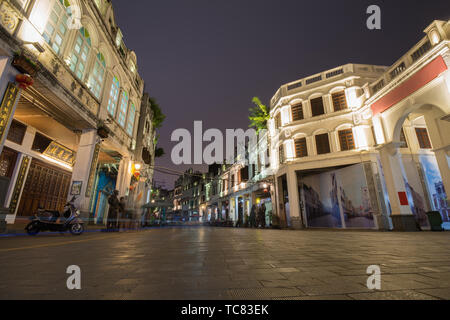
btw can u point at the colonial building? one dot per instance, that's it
(232, 190)
(188, 192)
(363, 146)
(71, 105)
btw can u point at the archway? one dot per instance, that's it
(421, 142)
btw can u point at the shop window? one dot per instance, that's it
(97, 76)
(56, 29)
(301, 149)
(423, 138)
(323, 143)
(317, 107)
(80, 53)
(16, 132)
(123, 109)
(297, 112)
(113, 96)
(40, 143)
(339, 101)
(346, 139)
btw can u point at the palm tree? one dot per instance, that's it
(259, 115)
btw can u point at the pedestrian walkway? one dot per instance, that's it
(228, 263)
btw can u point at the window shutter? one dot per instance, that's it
(317, 107)
(424, 140)
(339, 101)
(323, 143)
(346, 139)
(301, 149)
(297, 112)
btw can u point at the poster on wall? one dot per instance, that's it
(355, 198)
(435, 186)
(414, 192)
(321, 201)
(338, 199)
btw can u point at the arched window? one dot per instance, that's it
(113, 96)
(123, 109)
(56, 29)
(80, 53)
(98, 73)
(131, 118)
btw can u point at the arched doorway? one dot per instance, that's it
(416, 165)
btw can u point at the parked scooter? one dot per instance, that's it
(46, 220)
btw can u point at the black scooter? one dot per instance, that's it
(46, 220)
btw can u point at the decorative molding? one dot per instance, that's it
(19, 185)
(6, 108)
(9, 17)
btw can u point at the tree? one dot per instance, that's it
(157, 121)
(158, 116)
(159, 152)
(259, 115)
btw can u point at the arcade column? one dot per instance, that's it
(402, 216)
(83, 175)
(294, 200)
(443, 164)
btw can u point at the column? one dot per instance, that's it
(124, 177)
(294, 200)
(402, 216)
(443, 164)
(85, 169)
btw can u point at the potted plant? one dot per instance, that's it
(24, 64)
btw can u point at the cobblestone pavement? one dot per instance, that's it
(214, 263)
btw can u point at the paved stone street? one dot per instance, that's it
(214, 263)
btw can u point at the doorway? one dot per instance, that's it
(46, 186)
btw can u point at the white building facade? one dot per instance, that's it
(73, 131)
(362, 146)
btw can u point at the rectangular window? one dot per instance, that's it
(113, 97)
(339, 101)
(16, 132)
(131, 118)
(404, 143)
(346, 140)
(424, 140)
(297, 112)
(123, 109)
(281, 154)
(40, 143)
(278, 121)
(317, 107)
(301, 149)
(323, 143)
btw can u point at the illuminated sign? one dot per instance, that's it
(6, 108)
(59, 152)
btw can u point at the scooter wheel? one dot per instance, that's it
(76, 229)
(32, 229)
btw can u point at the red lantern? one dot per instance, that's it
(24, 80)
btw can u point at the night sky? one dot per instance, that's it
(206, 59)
